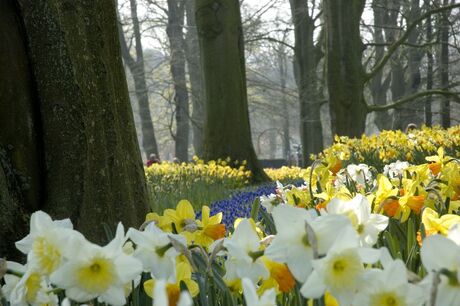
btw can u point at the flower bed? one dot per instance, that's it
(352, 234)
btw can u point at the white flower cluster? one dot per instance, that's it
(58, 257)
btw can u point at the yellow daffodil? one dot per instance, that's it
(183, 217)
(280, 278)
(435, 224)
(211, 228)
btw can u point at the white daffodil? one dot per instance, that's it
(93, 271)
(268, 298)
(244, 254)
(396, 169)
(291, 244)
(268, 202)
(358, 210)
(161, 296)
(439, 254)
(45, 242)
(389, 287)
(341, 271)
(155, 251)
(360, 174)
(29, 289)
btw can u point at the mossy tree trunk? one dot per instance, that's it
(345, 74)
(379, 84)
(444, 65)
(192, 56)
(227, 129)
(174, 29)
(83, 159)
(429, 68)
(306, 58)
(20, 160)
(411, 112)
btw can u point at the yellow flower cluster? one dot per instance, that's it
(200, 182)
(220, 171)
(286, 173)
(390, 146)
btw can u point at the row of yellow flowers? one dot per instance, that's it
(393, 145)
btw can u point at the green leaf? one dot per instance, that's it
(270, 228)
(255, 209)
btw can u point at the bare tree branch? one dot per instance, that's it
(378, 108)
(392, 49)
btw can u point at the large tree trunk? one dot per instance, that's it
(429, 69)
(396, 62)
(282, 69)
(410, 112)
(84, 156)
(305, 62)
(20, 160)
(345, 74)
(137, 69)
(444, 66)
(227, 128)
(176, 11)
(379, 85)
(192, 55)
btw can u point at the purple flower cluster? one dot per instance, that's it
(239, 205)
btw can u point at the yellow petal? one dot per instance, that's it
(185, 210)
(149, 286)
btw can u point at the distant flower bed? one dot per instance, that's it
(390, 146)
(286, 174)
(200, 182)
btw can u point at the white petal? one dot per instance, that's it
(454, 233)
(25, 245)
(395, 274)
(346, 238)
(159, 292)
(439, 252)
(185, 299)
(79, 295)
(64, 223)
(447, 295)
(127, 267)
(314, 287)
(249, 292)
(115, 246)
(40, 221)
(114, 296)
(296, 217)
(64, 276)
(369, 255)
(380, 222)
(328, 228)
(299, 262)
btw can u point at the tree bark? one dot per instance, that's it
(410, 112)
(306, 59)
(444, 66)
(282, 69)
(192, 56)
(91, 166)
(379, 85)
(227, 128)
(137, 69)
(429, 71)
(345, 73)
(20, 160)
(176, 14)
